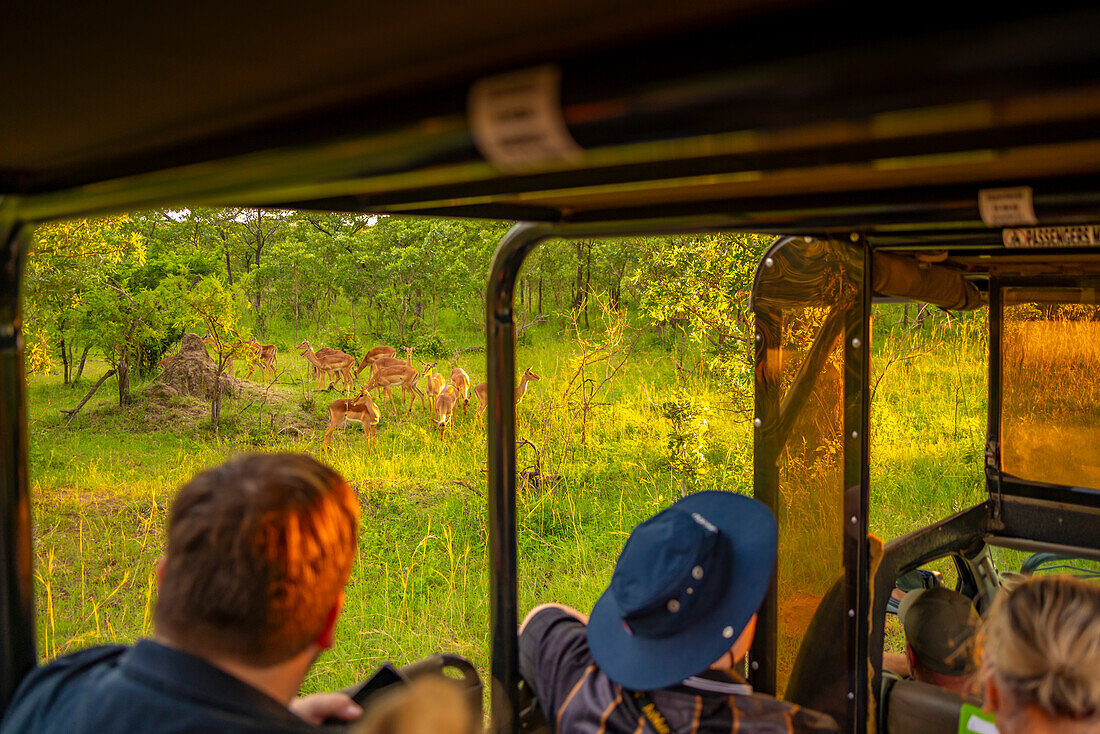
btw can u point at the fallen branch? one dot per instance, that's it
(71, 412)
(469, 486)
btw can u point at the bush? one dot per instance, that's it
(151, 351)
(347, 341)
(432, 345)
(687, 440)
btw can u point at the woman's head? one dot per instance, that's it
(1042, 652)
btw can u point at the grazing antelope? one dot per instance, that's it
(322, 353)
(373, 355)
(400, 375)
(327, 363)
(393, 361)
(433, 384)
(444, 408)
(481, 392)
(262, 356)
(360, 409)
(461, 382)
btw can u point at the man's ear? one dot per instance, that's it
(327, 638)
(911, 657)
(160, 571)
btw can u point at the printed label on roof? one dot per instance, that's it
(516, 119)
(1087, 235)
(1006, 207)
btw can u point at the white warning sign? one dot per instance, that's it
(1087, 235)
(1009, 207)
(516, 118)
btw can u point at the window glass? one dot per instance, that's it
(1050, 385)
(809, 295)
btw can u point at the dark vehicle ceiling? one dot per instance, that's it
(787, 117)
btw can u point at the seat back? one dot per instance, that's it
(912, 707)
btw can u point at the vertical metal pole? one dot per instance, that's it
(16, 590)
(768, 382)
(500, 356)
(994, 401)
(768, 343)
(857, 372)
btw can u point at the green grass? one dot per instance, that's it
(102, 486)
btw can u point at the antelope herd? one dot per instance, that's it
(439, 398)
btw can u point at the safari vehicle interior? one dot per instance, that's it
(949, 159)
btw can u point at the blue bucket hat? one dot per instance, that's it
(685, 586)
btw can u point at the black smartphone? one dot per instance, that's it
(382, 679)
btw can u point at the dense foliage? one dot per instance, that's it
(125, 288)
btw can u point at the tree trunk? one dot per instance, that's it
(578, 289)
(67, 368)
(540, 295)
(587, 284)
(122, 371)
(83, 359)
(228, 268)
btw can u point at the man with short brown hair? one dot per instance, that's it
(250, 587)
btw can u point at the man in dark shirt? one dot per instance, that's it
(250, 587)
(941, 630)
(665, 639)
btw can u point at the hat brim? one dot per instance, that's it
(646, 664)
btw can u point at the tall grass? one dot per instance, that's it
(1051, 403)
(101, 486)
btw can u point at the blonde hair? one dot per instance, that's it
(428, 705)
(1042, 644)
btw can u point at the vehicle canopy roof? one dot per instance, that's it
(745, 111)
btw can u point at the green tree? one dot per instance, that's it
(701, 284)
(213, 304)
(68, 260)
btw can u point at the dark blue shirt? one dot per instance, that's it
(577, 698)
(145, 688)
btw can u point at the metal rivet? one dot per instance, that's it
(727, 632)
(854, 519)
(768, 262)
(697, 573)
(759, 337)
(755, 665)
(808, 239)
(757, 422)
(851, 696)
(855, 434)
(690, 590)
(857, 343)
(853, 237)
(851, 612)
(673, 606)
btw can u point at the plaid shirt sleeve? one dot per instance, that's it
(553, 656)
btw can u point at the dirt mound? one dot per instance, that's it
(191, 372)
